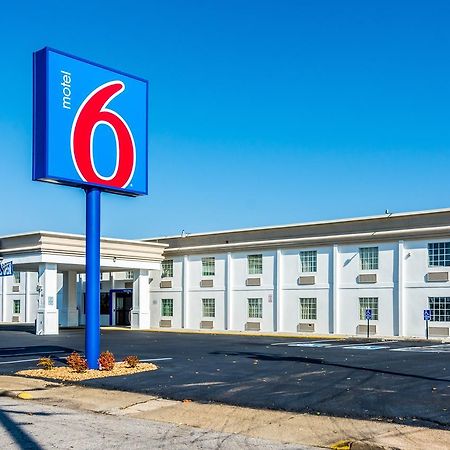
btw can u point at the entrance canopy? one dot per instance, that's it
(30, 250)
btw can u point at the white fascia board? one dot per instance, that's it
(300, 224)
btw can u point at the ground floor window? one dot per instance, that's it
(308, 308)
(16, 306)
(368, 303)
(440, 309)
(208, 307)
(167, 307)
(255, 308)
(104, 303)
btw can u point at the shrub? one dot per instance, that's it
(106, 361)
(131, 360)
(46, 363)
(76, 362)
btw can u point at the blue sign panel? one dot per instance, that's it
(427, 314)
(368, 314)
(6, 269)
(90, 125)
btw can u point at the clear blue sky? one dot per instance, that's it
(261, 112)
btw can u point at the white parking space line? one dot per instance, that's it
(32, 353)
(365, 347)
(440, 348)
(304, 343)
(155, 359)
(20, 361)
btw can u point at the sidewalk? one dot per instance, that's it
(282, 427)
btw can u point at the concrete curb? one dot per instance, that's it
(280, 335)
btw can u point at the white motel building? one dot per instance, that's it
(308, 278)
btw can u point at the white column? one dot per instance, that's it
(47, 314)
(228, 293)
(400, 296)
(334, 311)
(70, 311)
(3, 311)
(277, 293)
(28, 298)
(140, 314)
(185, 292)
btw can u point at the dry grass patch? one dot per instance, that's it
(68, 374)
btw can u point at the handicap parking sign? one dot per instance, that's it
(427, 314)
(368, 314)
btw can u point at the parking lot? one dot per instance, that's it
(406, 382)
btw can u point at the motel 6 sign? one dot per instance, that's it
(90, 125)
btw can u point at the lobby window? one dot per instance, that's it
(308, 308)
(167, 307)
(209, 307)
(167, 268)
(16, 306)
(308, 261)
(255, 264)
(440, 309)
(369, 258)
(16, 277)
(104, 303)
(439, 254)
(368, 303)
(208, 266)
(255, 308)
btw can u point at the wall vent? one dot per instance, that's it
(16, 288)
(206, 283)
(165, 284)
(252, 326)
(362, 329)
(305, 327)
(165, 323)
(437, 276)
(367, 278)
(304, 281)
(16, 318)
(438, 331)
(206, 325)
(253, 282)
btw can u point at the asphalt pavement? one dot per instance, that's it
(401, 381)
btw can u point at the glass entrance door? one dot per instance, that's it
(124, 303)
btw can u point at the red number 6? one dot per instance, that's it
(90, 114)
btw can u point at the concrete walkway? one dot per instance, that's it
(118, 419)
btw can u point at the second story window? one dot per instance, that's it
(439, 254)
(208, 266)
(255, 264)
(167, 268)
(16, 277)
(308, 261)
(368, 257)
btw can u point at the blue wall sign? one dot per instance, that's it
(90, 125)
(6, 269)
(368, 314)
(427, 314)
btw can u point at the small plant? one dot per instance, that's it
(106, 361)
(131, 360)
(76, 362)
(46, 363)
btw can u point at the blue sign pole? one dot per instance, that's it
(92, 331)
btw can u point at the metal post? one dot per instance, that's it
(92, 333)
(368, 324)
(427, 328)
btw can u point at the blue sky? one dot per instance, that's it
(261, 112)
